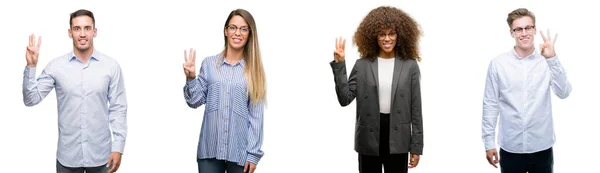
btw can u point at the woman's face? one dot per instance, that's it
(387, 41)
(237, 32)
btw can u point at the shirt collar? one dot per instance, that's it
(95, 56)
(530, 56)
(223, 61)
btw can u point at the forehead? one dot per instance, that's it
(522, 22)
(82, 21)
(387, 30)
(237, 21)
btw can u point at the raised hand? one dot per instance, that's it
(548, 46)
(189, 67)
(33, 51)
(340, 47)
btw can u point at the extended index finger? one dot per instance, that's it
(39, 43)
(31, 40)
(185, 57)
(194, 57)
(543, 36)
(337, 43)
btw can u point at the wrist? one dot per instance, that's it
(190, 79)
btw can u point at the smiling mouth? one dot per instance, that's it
(82, 41)
(237, 40)
(388, 45)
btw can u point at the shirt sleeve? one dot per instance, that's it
(255, 131)
(559, 83)
(117, 111)
(195, 90)
(35, 90)
(490, 108)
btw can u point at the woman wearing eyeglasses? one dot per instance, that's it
(231, 85)
(386, 84)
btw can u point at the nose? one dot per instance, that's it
(387, 37)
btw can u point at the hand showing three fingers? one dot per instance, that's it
(189, 67)
(340, 46)
(548, 46)
(33, 51)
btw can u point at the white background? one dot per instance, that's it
(306, 130)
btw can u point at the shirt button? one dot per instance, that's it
(225, 131)
(226, 118)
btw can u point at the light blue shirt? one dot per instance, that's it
(232, 128)
(90, 97)
(517, 91)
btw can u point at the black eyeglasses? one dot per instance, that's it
(233, 29)
(519, 30)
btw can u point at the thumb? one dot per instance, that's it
(246, 167)
(109, 162)
(496, 158)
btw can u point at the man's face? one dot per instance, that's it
(523, 30)
(82, 32)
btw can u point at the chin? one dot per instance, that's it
(525, 46)
(83, 48)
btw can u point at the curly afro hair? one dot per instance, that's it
(380, 19)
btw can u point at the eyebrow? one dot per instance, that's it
(82, 26)
(239, 26)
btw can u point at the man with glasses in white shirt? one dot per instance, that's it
(517, 91)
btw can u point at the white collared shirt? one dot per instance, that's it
(518, 91)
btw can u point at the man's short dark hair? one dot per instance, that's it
(82, 12)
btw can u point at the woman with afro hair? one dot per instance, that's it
(386, 84)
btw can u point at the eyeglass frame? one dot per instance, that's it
(382, 36)
(235, 29)
(519, 30)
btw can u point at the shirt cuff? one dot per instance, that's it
(29, 72)
(192, 83)
(118, 146)
(253, 159)
(552, 61)
(489, 146)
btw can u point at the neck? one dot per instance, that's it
(83, 55)
(233, 56)
(387, 55)
(524, 52)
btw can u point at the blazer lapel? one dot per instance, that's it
(375, 71)
(397, 71)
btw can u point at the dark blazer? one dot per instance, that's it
(406, 122)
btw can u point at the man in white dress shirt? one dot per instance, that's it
(518, 90)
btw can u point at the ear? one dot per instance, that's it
(512, 34)
(95, 32)
(70, 33)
